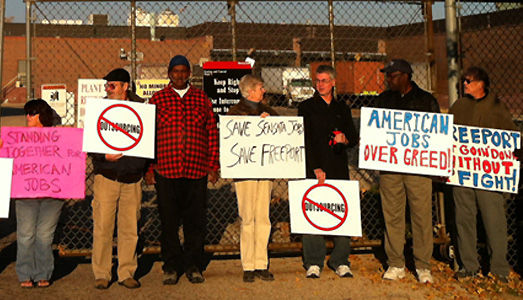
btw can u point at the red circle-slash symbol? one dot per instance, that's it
(324, 209)
(136, 140)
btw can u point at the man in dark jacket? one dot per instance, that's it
(117, 186)
(329, 130)
(481, 108)
(398, 188)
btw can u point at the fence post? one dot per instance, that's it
(429, 44)
(133, 41)
(232, 13)
(2, 17)
(452, 50)
(28, 48)
(331, 30)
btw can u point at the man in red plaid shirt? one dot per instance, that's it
(186, 154)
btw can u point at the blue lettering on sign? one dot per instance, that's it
(408, 117)
(462, 176)
(474, 135)
(374, 117)
(444, 124)
(463, 135)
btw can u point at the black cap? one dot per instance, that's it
(118, 75)
(400, 65)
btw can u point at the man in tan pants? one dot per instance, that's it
(117, 186)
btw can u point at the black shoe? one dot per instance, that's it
(194, 275)
(170, 278)
(248, 276)
(264, 275)
(130, 283)
(463, 274)
(101, 284)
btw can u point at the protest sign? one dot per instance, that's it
(145, 88)
(484, 159)
(220, 83)
(88, 88)
(256, 147)
(6, 175)
(332, 208)
(48, 161)
(406, 141)
(115, 126)
(56, 96)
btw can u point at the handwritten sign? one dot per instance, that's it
(220, 83)
(6, 174)
(255, 147)
(88, 88)
(484, 159)
(406, 141)
(332, 208)
(115, 126)
(48, 162)
(145, 88)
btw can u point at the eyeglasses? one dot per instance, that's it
(322, 81)
(468, 81)
(110, 86)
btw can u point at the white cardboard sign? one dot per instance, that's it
(332, 208)
(406, 141)
(88, 88)
(256, 147)
(484, 159)
(6, 175)
(115, 126)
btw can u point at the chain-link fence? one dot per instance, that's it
(74, 40)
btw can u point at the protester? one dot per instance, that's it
(254, 196)
(329, 130)
(398, 188)
(117, 187)
(481, 108)
(186, 154)
(36, 219)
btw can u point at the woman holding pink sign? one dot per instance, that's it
(36, 219)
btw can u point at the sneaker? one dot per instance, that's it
(500, 278)
(394, 273)
(130, 283)
(248, 276)
(101, 284)
(313, 272)
(170, 278)
(424, 276)
(343, 271)
(194, 275)
(264, 275)
(463, 274)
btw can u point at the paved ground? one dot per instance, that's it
(73, 280)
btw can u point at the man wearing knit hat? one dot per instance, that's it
(186, 157)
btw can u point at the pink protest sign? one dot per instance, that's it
(48, 162)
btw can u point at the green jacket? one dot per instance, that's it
(487, 112)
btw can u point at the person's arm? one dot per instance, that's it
(213, 147)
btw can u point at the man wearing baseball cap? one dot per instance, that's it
(117, 187)
(186, 157)
(398, 188)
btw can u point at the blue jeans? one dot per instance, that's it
(36, 221)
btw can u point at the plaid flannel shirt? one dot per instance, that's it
(186, 134)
